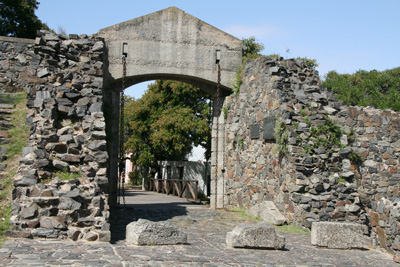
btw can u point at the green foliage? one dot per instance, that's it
(18, 19)
(378, 89)
(281, 137)
(311, 63)
(135, 177)
(253, 48)
(326, 135)
(356, 158)
(241, 142)
(5, 215)
(291, 228)
(225, 110)
(252, 51)
(166, 122)
(18, 136)
(64, 176)
(275, 55)
(241, 213)
(238, 80)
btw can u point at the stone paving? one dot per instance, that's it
(206, 231)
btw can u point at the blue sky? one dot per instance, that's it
(343, 35)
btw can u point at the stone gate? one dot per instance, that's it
(73, 85)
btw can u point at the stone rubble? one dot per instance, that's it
(337, 235)
(268, 212)
(261, 236)
(144, 233)
(354, 178)
(63, 77)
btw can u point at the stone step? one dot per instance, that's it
(3, 166)
(6, 111)
(7, 106)
(3, 134)
(7, 100)
(5, 125)
(4, 141)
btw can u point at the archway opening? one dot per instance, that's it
(164, 123)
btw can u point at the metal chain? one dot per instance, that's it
(216, 141)
(122, 157)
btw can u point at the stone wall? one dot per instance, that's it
(63, 77)
(329, 162)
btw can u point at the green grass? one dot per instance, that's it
(5, 214)
(291, 228)
(18, 136)
(67, 175)
(241, 212)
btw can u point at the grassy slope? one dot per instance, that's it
(18, 136)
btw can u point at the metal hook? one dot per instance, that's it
(124, 49)
(218, 57)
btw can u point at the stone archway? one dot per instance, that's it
(168, 44)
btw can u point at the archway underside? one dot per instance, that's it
(210, 87)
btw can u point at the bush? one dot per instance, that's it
(135, 177)
(363, 88)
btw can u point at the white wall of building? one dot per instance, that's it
(192, 170)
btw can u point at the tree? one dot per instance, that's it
(367, 88)
(18, 19)
(166, 122)
(253, 49)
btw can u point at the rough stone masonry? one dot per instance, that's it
(329, 162)
(309, 173)
(63, 78)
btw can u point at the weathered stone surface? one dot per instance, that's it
(206, 40)
(90, 236)
(24, 180)
(29, 212)
(46, 233)
(268, 212)
(105, 236)
(52, 223)
(67, 203)
(261, 235)
(73, 233)
(60, 165)
(145, 232)
(65, 80)
(337, 235)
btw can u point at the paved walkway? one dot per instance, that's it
(206, 231)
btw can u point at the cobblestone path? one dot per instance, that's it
(206, 231)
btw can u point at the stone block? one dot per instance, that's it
(90, 236)
(268, 212)
(73, 233)
(25, 180)
(255, 131)
(45, 233)
(337, 235)
(105, 236)
(268, 130)
(145, 232)
(261, 235)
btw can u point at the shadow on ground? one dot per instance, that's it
(145, 205)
